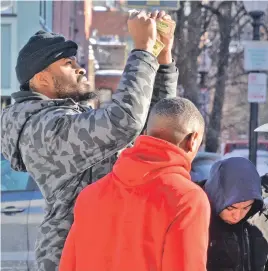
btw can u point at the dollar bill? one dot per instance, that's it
(166, 27)
(162, 28)
(158, 47)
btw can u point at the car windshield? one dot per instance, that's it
(12, 180)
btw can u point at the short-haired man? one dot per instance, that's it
(148, 213)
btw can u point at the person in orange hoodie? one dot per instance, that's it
(147, 214)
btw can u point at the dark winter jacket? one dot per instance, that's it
(239, 247)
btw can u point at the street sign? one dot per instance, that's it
(256, 56)
(257, 85)
(166, 5)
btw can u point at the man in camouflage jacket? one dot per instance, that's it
(65, 146)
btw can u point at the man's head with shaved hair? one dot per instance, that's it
(178, 121)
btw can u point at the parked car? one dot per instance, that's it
(22, 209)
(202, 164)
(262, 158)
(21, 213)
(231, 146)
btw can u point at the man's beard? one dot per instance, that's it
(82, 97)
(73, 91)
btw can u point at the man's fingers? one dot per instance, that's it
(161, 14)
(154, 14)
(167, 17)
(132, 13)
(142, 13)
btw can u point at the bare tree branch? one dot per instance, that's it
(238, 16)
(212, 9)
(207, 23)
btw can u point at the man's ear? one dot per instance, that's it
(42, 79)
(192, 142)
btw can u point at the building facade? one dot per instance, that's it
(19, 21)
(73, 20)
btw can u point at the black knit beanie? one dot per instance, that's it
(39, 52)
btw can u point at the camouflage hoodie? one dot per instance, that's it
(59, 141)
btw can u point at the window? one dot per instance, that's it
(8, 7)
(12, 180)
(110, 3)
(8, 54)
(45, 14)
(104, 3)
(42, 9)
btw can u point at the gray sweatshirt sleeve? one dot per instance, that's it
(165, 85)
(80, 140)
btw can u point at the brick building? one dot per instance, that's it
(110, 22)
(73, 20)
(19, 21)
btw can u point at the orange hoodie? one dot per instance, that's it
(146, 215)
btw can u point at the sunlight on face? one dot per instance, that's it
(236, 212)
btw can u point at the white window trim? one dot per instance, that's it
(14, 50)
(43, 24)
(42, 20)
(15, 9)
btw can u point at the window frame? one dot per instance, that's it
(30, 184)
(14, 10)
(43, 14)
(12, 21)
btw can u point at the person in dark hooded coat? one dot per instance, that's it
(234, 192)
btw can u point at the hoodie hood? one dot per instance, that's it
(232, 181)
(147, 159)
(14, 118)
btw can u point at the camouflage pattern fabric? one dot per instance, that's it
(165, 86)
(260, 220)
(59, 141)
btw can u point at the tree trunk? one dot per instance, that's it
(191, 88)
(187, 37)
(214, 128)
